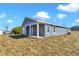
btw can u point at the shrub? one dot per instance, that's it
(17, 30)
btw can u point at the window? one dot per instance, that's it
(48, 29)
(54, 28)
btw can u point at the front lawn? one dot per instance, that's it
(57, 45)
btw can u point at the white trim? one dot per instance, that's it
(30, 30)
(37, 30)
(31, 24)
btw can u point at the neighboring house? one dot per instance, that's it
(37, 28)
(7, 32)
(1, 32)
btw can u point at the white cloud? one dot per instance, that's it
(42, 14)
(73, 7)
(61, 16)
(10, 21)
(3, 15)
(76, 22)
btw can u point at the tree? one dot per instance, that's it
(17, 30)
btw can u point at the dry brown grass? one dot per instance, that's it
(52, 46)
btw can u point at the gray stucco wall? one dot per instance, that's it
(24, 30)
(58, 31)
(47, 34)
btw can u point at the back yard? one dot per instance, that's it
(52, 46)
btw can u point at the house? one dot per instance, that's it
(7, 32)
(37, 28)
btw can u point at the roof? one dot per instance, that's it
(43, 22)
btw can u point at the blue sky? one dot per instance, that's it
(56, 13)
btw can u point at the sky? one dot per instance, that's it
(13, 14)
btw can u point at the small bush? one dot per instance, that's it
(17, 30)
